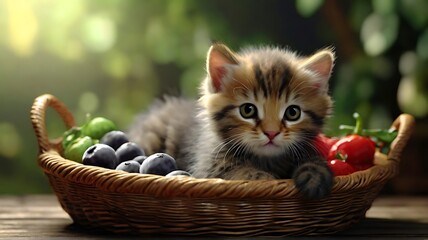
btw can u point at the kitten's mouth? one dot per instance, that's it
(270, 146)
(269, 149)
(270, 143)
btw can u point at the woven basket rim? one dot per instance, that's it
(187, 187)
(108, 180)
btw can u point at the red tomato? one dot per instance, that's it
(357, 150)
(340, 167)
(329, 141)
(323, 144)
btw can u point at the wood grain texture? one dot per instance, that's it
(41, 217)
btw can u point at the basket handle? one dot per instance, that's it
(404, 124)
(38, 114)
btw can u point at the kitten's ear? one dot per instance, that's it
(321, 64)
(219, 59)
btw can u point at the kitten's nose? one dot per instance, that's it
(271, 134)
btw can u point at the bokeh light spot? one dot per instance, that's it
(117, 64)
(408, 62)
(308, 7)
(410, 99)
(88, 102)
(378, 33)
(384, 7)
(22, 26)
(10, 142)
(99, 33)
(422, 45)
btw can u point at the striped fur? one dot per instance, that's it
(216, 141)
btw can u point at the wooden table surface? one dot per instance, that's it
(41, 217)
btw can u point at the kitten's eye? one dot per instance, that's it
(248, 110)
(292, 113)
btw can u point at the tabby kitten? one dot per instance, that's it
(258, 116)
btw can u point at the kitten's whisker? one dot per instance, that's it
(235, 146)
(231, 142)
(247, 152)
(223, 144)
(311, 144)
(295, 152)
(236, 143)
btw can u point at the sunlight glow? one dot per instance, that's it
(22, 26)
(99, 33)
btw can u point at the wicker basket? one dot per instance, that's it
(122, 202)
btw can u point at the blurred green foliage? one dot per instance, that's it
(112, 58)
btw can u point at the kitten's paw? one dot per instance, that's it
(313, 179)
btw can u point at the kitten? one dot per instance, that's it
(258, 117)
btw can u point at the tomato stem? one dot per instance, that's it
(347, 128)
(341, 156)
(359, 124)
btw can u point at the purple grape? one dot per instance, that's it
(114, 139)
(139, 159)
(178, 173)
(100, 155)
(159, 164)
(128, 151)
(129, 166)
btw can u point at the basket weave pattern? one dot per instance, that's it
(147, 204)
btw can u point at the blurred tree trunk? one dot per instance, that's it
(336, 18)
